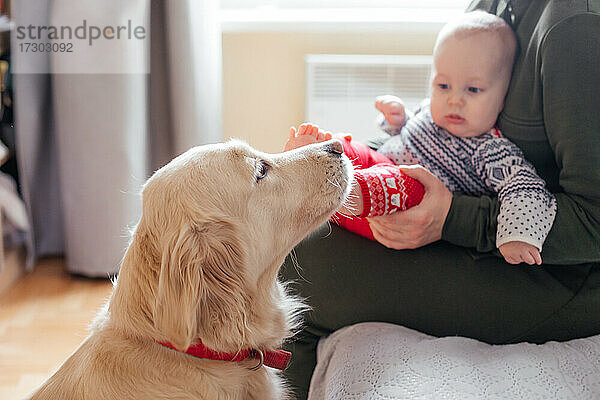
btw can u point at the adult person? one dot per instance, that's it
(435, 268)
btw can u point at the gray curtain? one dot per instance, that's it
(86, 142)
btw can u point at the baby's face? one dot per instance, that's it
(468, 85)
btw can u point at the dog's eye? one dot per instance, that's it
(261, 170)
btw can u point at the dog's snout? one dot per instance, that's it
(335, 147)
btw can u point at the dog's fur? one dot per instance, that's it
(202, 264)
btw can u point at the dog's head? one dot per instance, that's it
(217, 223)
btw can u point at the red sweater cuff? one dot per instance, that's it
(366, 195)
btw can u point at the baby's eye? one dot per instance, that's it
(474, 90)
(443, 86)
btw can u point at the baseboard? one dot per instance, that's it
(12, 267)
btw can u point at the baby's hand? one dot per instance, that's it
(518, 252)
(392, 109)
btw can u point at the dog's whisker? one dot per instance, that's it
(296, 265)
(330, 230)
(349, 205)
(337, 185)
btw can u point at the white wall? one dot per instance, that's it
(263, 76)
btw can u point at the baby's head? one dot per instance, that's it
(472, 64)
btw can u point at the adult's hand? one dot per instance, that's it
(419, 225)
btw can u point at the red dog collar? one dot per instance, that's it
(278, 359)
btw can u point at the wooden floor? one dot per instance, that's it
(43, 318)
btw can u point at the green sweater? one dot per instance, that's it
(552, 112)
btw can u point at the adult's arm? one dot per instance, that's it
(570, 61)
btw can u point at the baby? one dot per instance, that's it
(454, 136)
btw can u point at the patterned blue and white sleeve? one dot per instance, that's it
(527, 208)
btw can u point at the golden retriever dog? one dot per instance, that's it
(217, 223)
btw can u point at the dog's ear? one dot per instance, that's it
(179, 282)
(201, 283)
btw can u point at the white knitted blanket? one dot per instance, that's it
(385, 361)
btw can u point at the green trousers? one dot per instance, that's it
(439, 289)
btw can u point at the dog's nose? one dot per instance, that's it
(335, 147)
